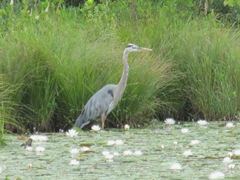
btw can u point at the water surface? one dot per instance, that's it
(162, 146)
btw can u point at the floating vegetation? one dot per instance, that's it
(151, 153)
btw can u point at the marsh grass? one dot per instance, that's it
(204, 53)
(7, 108)
(210, 60)
(59, 63)
(58, 60)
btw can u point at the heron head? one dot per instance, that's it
(133, 48)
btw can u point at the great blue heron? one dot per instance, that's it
(106, 99)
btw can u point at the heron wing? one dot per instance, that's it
(97, 105)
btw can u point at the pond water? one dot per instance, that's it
(161, 145)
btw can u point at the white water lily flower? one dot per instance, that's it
(116, 154)
(230, 154)
(231, 166)
(29, 165)
(109, 156)
(187, 153)
(202, 122)
(71, 133)
(194, 142)
(119, 142)
(162, 146)
(74, 162)
(175, 143)
(137, 153)
(170, 121)
(109, 160)
(29, 148)
(184, 130)
(40, 149)
(74, 151)
(236, 152)
(127, 153)
(126, 127)
(111, 142)
(230, 125)
(84, 149)
(176, 166)
(39, 138)
(96, 128)
(227, 160)
(216, 175)
(105, 153)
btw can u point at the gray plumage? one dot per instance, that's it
(100, 102)
(106, 99)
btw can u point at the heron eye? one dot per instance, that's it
(129, 45)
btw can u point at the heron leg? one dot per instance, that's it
(104, 117)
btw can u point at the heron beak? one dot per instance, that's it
(145, 49)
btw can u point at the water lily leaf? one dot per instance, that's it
(81, 158)
(129, 161)
(235, 157)
(86, 144)
(211, 157)
(86, 152)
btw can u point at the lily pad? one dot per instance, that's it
(159, 153)
(87, 144)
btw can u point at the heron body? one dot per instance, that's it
(106, 99)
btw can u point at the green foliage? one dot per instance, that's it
(59, 63)
(53, 59)
(209, 66)
(212, 67)
(27, 67)
(7, 107)
(232, 2)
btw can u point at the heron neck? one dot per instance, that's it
(123, 81)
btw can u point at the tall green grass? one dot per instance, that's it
(56, 61)
(60, 61)
(205, 55)
(209, 57)
(7, 108)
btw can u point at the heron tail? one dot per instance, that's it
(81, 121)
